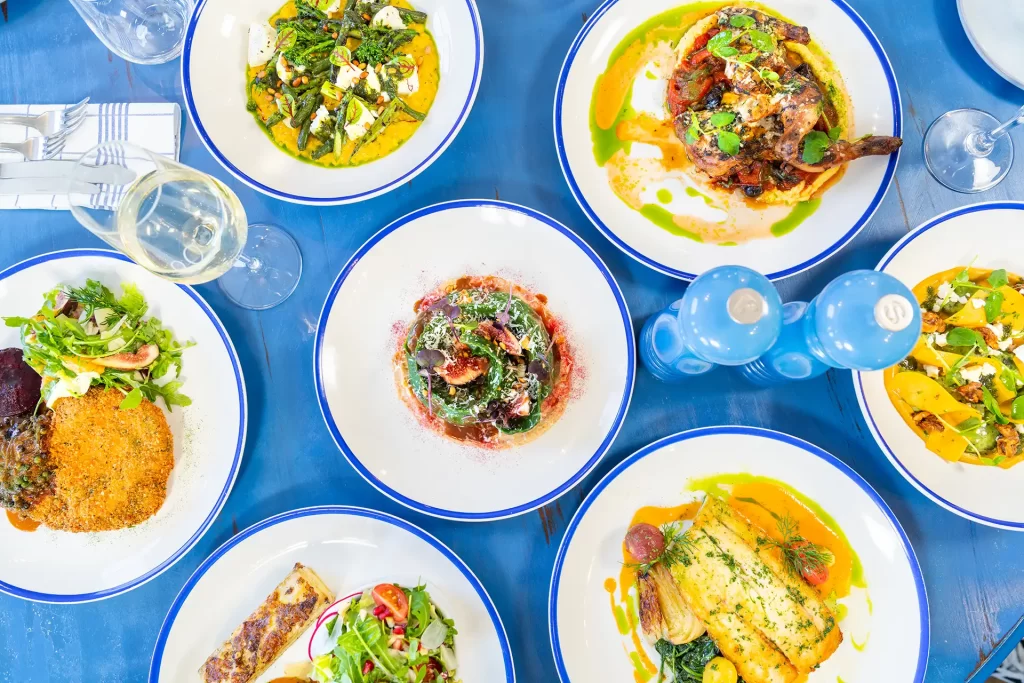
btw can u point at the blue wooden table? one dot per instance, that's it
(974, 574)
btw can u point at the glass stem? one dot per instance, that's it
(981, 143)
(254, 265)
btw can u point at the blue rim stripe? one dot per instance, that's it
(453, 514)
(890, 170)
(239, 445)
(193, 114)
(344, 510)
(858, 383)
(915, 567)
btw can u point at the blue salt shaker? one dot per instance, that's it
(864, 320)
(730, 315)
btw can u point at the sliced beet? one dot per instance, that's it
(19, 384)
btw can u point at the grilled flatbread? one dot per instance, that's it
(270, 630)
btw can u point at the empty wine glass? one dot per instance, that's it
(140, 31)
(968, 150)
(182, 225)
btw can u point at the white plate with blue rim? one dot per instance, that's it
(371, 304)
(209, 439)
(887, 618)
(989, 236)
(845, 207)
(996, 37)
(349, 548)
(216, 48)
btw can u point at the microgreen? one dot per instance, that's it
(998, 278)
(815, 144)
(964, 336)
(993, 406)
(721, 46)
(834, 132)
(677, 549)
(993, 306)
(728, 142)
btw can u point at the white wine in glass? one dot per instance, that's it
(183, 225)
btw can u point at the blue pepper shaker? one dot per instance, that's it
(730, 315)
(864, 320)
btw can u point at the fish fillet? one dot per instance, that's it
(766, 620)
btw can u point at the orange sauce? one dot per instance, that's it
(21, 523)
(774, 499)
(290, 679)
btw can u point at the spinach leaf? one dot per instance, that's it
(687, 662)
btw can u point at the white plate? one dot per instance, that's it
(209, 437)
(349, 548)
(995, 30)
(216, 49)
(897, 627)
(845, 208)
(371, 301)
(990, 236)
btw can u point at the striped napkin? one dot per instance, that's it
(157, 127)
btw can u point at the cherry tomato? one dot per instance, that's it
(814, 574)
(392, 597)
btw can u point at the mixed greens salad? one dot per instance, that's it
(86, 336)
(478, 356)
(388, 634)
(334, 72)
(962, 387)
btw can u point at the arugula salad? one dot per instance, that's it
(387, 634)
(87, 336)
(962, 387)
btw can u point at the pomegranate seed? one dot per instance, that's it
(368, 667)
(399, 630)
(381, 612)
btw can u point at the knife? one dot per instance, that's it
(46, 186)
(108, 174)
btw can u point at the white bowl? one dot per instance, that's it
(845, 208)
(894, 622)
(349, 548)
(216, 49)
(209, 438)
(990, 236)
(369, 307)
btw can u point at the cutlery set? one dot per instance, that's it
(40, 172)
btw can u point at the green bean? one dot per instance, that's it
(322, 150)
(409, 15)
(409, 110)
(339, 127)
(308, 105)
(274, 119)
(304, 135)
(322, 67)
(378, 126)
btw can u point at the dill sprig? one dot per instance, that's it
(800, 555)
(678, 548)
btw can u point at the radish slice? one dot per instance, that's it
(319, 635)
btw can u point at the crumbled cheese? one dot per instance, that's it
(1020, 428)
(987, 370)
(322, 116)
(997, 328)
(961, 299)
(944, 290)
(939, 340)
(358, 127)
(978, 303)
(931, 370)
(389, 16)
(348, 75)
(971, 374)
(284, 71)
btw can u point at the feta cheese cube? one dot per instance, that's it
(931, 370)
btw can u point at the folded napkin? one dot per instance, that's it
(154, 126)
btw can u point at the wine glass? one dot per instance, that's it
(182, 225)
(140, 31)
(968, 150)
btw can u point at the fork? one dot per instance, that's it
(51, 122)
(38, 149)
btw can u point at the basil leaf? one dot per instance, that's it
(998, 278)
(769, 75)
(722, 118)
(719, 40)
(761, 40)
(834, 132)
(727, 51)
(747, 58)
(741, 21)
(728, 142)
(993, 306)
(964, 336)
(993, 407)
(815, 144)
(969, 423)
